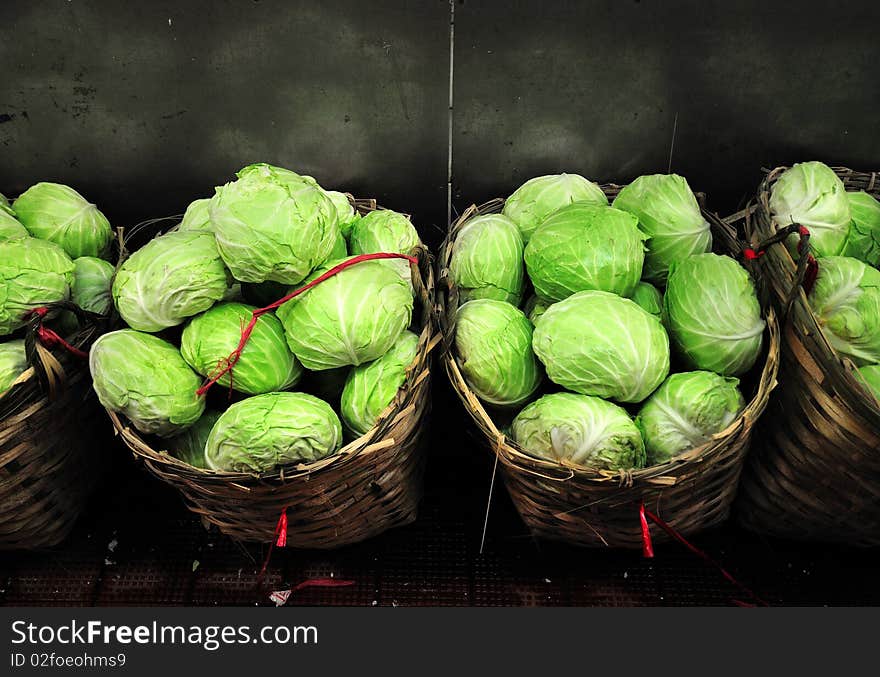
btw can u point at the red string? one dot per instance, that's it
(811, 273)
(647, 545)
(50, 339)
(644, 512)
(235, 355)
(750, 254)
(281, 530)
(323, 583)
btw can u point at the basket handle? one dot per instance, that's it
(807, 266)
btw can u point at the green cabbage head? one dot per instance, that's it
(585, 246)
(493, 340)
(649, 298)
(346, 214)
(350, 318)
(272, 224)
(685, 411)
(487, 260)
(597, 343)
(13, 363)
(846, 300)
(863, 241)
(383, 230)
(275, 429)
(189, 446)
(340, 249)
(713, 315)
(371, 387)
(197, 215)
(869, 376)
(33, 273)
(266, 364)
(54, 212)
(669, 215)
(539, 197)
(579, 430)
(145, 378)
(535, 307)
(811, 194)
(10, 227)
(92, 278)
(171, 278)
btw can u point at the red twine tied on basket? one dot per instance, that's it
(228, 363)
(750, 254)
(50, 339)
(279, 539)
(647, 547)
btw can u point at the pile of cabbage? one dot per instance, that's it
(54, 246)
(323, 366)
(609, 332)
(845, 239)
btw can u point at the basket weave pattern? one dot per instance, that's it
(815, 473)
(371, 485)
(601, 508)
(49, 461)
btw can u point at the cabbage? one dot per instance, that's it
(685, 411)
(13, 363)
(535, 307)
(597, 343)
(713, 315)
(487, 260)
(383, 230)
(189, 446)
(669, 215)
(863, 241)
(811, 194)
(493, 340)
(649, 298)
(346, 214)
(579, 430)
(538, 198)
(266, 431)
(197, 216)
(272, 224)
(145, 378)
(350, 318)
(266, 363)
(10, 227)
(846, 300)
(92, 278)
(371, 387)
(171, 278)
(868, 375)
(585, 246)
(51, 211)
(340, 249)
(4, 204)
(33, 273)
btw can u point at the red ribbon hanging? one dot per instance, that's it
(647, 547)
(228, 363)
(50, 339)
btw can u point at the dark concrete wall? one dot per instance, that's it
(594, 87)
(145, 106)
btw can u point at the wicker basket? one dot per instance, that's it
(371, 485)
(50, 459)
(598, 508)
(815, 474)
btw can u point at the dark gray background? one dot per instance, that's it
(145, 106)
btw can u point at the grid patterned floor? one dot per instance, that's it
(138, 545)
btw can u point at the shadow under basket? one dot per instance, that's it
(50, 460)
(372, 484)
(595, 508)
(815, 471)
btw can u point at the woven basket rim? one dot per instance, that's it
(372, 440)
(757, 224)
(665, 474)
